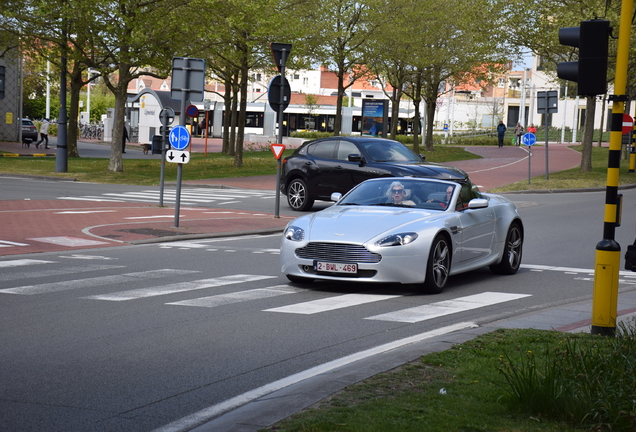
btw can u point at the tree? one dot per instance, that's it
(336, 33)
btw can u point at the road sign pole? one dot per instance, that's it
(177, 202)
(281, 108)
(546, 148)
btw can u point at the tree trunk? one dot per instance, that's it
(238, 157)
(588, 135)
(71, 130)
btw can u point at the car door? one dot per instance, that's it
(320, 167)
(347, 173)
(476, 227)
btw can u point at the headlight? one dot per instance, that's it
(294, 233)
(397, 239)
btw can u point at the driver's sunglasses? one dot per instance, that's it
(398, 191)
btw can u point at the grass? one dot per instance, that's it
(474, 387)
(147, 171)
(574, 178)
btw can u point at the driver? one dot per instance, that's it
(446, 200)
(397, 193)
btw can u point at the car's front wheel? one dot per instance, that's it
(298, 195)
(438, 265)
(513, 248)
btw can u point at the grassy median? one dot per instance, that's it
(507, 380)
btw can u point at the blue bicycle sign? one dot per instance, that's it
(179, 137)
(528, 139)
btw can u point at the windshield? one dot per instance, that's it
(389, 151)
(404, 192)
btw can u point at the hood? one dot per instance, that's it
(343, 223)
(426, 169)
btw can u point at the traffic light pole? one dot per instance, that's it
(607, 264)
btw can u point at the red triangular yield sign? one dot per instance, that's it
(277, 149)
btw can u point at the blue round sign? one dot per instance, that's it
(179, 137)
(528, 139)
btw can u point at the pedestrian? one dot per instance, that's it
(501, 131)
(518, 132)
(44, 134)
(123, 141)
(532, 129)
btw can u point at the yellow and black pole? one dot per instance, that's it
(606, 270)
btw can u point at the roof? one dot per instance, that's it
(163, 97)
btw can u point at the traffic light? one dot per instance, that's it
(590, 72)
(156, 144)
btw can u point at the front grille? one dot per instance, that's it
(338, 252)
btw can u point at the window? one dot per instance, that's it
(305, 81)
(345, 149)
(323, 149)
(296, 76)
(501, 83)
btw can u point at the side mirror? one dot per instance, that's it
(422, 157)
(478, 203)
(335, 196)
(354, 157)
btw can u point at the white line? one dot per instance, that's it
(127, 278)
(7, 243)
(66, 270)
(88, 199)
(199, 417)
(177, 287)
(152, 217)
(22, 262)
(86, 212)
(331, 303)
(434, 310)
(240, 296)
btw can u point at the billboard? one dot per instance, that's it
(375, 117)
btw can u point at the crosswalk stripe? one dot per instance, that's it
(331, 303)
(126, 278)
(434, 310)
(240, 296)
(22, 262)
(39, 273)
(178, 287)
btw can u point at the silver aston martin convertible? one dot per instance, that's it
(404, 230)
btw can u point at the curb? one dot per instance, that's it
(27, 155)
(204, 236)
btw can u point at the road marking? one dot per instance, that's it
(126, 278)
(37, 273)
(178, 287)
(22, 262)
(206, 414)
(68, 241)
(448, 307)
(331, 303)
(7, 243)
(240, 296)
(85, 211)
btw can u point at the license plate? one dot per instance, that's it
(322, 266)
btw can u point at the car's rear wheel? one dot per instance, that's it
(438, 265)
(513, 248)
(298, 195)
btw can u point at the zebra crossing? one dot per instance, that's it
(150, 284)
(194, 196)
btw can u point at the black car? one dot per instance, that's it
(336, 164)
(29, 131)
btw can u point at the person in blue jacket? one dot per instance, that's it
(501, 131)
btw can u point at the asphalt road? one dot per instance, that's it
(138, 337)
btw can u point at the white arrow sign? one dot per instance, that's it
(176, 156)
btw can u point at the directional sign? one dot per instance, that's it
(192, 111)
(175, 156)
(628, 124)
(528, 139)
(179, 137)
(278, 150)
